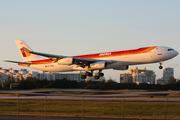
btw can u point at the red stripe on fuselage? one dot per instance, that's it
(115, 53)
(42, 61)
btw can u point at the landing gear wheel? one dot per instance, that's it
(101, 74)
(83, 76)
(160, 67)
(96, 77)
(88, 74)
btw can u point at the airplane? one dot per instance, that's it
(117, 60)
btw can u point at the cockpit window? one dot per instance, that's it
(170, 49)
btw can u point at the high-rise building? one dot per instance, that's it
(136, 75)
(167, 73)
(126, 78)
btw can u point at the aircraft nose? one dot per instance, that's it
(176, 53)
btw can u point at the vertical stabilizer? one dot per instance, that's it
(26, 55)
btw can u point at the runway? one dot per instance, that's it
(101, 96)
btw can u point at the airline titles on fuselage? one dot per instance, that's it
(105, 54)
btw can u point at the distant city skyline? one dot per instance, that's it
(167, 72)
(23, 74)
(83, 27)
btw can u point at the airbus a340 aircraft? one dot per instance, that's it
(117, 60)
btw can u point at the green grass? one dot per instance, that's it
(91, 109)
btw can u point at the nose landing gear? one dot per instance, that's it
(161, 67)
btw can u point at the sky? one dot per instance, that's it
(77, 27)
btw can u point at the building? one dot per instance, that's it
(136, 75)
(126, 78)
(24, 74)
(76, 77)
(167, 73)
(69, 76)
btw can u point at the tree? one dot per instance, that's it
(26, 84)
(171, 80)
(110, 80)
(8, 82)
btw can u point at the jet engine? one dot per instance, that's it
(121, 68)
(98, 65)
(66, 61)
(114, 65)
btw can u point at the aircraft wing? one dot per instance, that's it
(48, 55)
(82, 62)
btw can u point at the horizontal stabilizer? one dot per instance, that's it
(16, 62)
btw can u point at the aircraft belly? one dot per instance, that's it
(53, 67)
(162, 57)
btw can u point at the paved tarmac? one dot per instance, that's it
(101, 96)
(77, 98)
(100, 92)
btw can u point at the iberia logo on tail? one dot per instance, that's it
(24, 52)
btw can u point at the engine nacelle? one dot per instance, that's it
(121, 68)
(66, 61)
(114, 65)
(98, 65)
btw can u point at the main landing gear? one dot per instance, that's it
(100, 74)
(86, 74)
(161, 67)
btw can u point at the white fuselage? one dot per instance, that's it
(156, 55)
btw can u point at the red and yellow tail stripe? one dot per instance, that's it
(24, 53)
